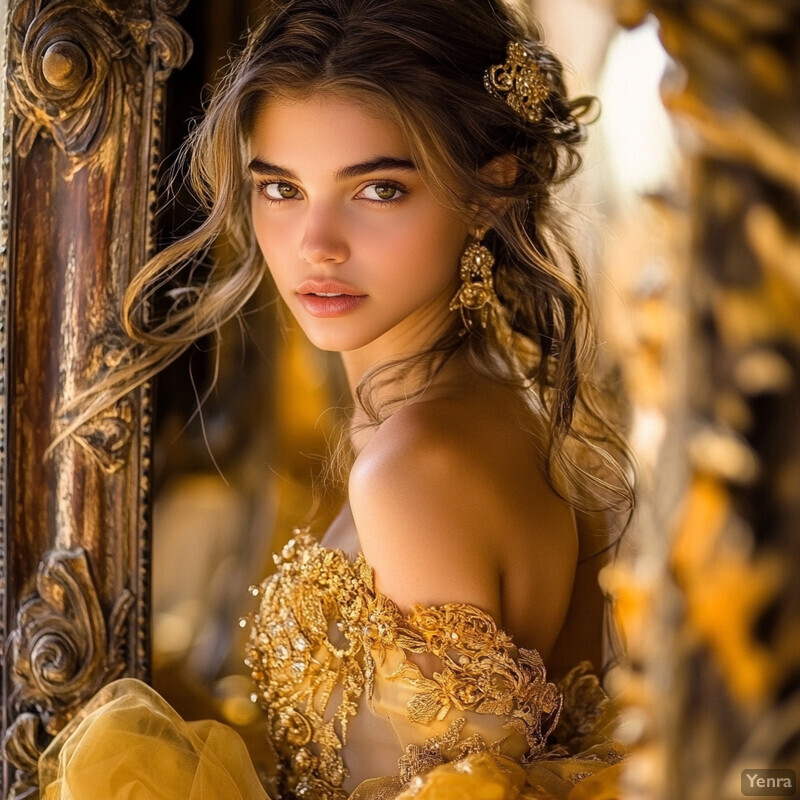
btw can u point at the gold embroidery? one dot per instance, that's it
(297, 659)
(587, 717)
(449, 746)
(481, 671)
(297, 665)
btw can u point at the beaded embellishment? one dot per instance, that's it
(321, 625)
(520, 82)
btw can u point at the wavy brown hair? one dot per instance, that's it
(423, 65)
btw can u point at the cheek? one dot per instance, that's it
(259, 227)
(427, 244)
(273, 242)
(438, 246)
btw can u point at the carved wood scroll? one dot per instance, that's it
(61, 649)
(81, 132)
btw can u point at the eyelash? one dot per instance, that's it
(261, 190)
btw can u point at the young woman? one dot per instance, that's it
(392, 165)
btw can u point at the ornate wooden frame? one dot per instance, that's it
(81, 120)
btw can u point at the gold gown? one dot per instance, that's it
(362, 701)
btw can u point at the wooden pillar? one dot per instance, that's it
(81, 120)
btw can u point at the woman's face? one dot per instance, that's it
(361, 251)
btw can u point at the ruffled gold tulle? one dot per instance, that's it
(485, 777)
(129, 744)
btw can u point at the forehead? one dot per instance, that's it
(323, 129)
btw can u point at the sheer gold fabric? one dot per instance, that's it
(448, 683)
(466, 712)
(129, 744)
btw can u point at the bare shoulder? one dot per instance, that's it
(450, 505)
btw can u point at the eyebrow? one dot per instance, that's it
(377, 164)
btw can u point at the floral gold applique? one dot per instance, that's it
(481, 671)
(322, 625)
(296, 665)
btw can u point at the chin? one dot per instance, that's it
(333, 341)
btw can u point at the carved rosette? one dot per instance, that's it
(74, 63)
(107, 437)
(60, 654)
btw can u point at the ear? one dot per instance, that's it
(501, 172)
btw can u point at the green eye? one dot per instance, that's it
(385, 192)
(281, 191)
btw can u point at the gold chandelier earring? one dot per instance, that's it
(476, 294)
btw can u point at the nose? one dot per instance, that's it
(323, 240)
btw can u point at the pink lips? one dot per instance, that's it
(327, 298)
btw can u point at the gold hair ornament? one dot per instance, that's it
(520, 82)
(476, 292)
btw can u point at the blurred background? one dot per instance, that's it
(687, 216)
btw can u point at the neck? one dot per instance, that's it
(414, 378)
(408, 339)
